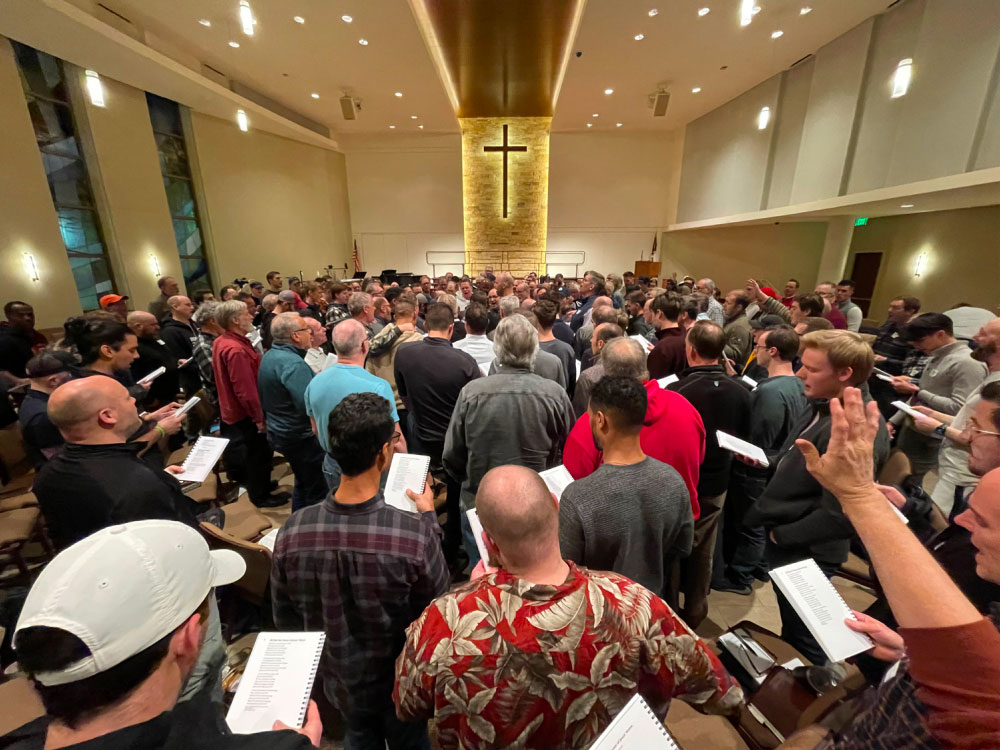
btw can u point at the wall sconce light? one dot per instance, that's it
(921, 265)
(763, 118)
(242, 121)
(31, 267)
(154, 264)
(901, 78)
(94, 87)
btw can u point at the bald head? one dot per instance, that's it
(349, 338)
(624, 357)
(143, 324)
(181, 307)
(93, 410)
(519, 514)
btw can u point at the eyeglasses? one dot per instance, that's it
(302, 330)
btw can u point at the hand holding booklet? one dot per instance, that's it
(277, 682)
(821, 608)
(407, 472)
(741, 447)
(202, 459)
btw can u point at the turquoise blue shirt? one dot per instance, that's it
(331, 386)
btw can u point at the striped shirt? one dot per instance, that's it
(361, 573)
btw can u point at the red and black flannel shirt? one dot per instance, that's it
(360, 573)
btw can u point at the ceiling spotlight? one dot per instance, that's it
(901, 78)
(241, 120)
(776, 34)
(906, 205)
(746, 12)
(392, 127)
(639, 37)
(608, 92)
(346, 19)
(618, 124)
(590, 124)
(420, 126)
(298, 19)
(314, 95)
(696, 90)
(205, 22)
(704, 11)
(363, 42)
(763, 118)
(413, 117)
(234, 45)
(595, 115)
(805, 10)
(399, 94)
(247, 20)
(653, 12)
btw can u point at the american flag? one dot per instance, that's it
(357, 258)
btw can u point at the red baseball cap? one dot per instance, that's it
(110, 299)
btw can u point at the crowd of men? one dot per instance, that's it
(585, 595)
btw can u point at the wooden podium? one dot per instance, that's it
(650, 268)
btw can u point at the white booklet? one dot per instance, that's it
(557, 479)
(269, 539)
(741, 447)
(635, 727)
(407, 472)
(150, 377)
(821, 608)
(664, 382)
(749, 381)
(907, 409)
(202, 458)
(477, 532)
(277, 682)
(643, 342)
(330, 361)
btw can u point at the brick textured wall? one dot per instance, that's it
(517, 243)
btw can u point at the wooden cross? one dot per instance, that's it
(504, 149)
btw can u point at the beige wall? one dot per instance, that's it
(27, 220)
(126, 176)
(963, 258)
(271, 203)
(731, 255)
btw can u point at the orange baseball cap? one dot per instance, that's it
(110, 299)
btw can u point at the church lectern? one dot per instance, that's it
(650, 268)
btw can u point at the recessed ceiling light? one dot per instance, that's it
(639, 37)
(205, 22)
(704, 11)
(595, 115)
(653, 12)
(314, 95)
(805, 10)
(746, 12)
(298, 19)
(906, 205)
(346, 19)
(234, 45)
(777, 33)
(618, 124)
(399, 93)
(392, 127)
(420, 126)
(413, 117)
(608, 92)
(247, 20)
(696, 90)
(590, 124)
(363, 42)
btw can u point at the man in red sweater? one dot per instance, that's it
(235, 361)
(673, 432)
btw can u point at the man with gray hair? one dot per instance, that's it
(281, 382)
(512, 417)
(591, 287)
(715, 311)
(201, 346)
(285, 302)
(332, 385)
(602, 336)
(361, 306)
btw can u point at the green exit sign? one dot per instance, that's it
(861, 221)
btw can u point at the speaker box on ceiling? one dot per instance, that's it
(347, 108)
(660, 102)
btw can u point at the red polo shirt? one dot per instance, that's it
(235, 362)
(673, 433)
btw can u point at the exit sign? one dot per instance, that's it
(861, 221)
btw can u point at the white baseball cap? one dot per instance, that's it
(122, 589)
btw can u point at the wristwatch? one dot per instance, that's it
(941, 430)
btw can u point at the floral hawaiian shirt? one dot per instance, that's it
(500, 662)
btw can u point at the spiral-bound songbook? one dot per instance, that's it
(821, 608)
(635, 726)
(277, 682)
(408, 471)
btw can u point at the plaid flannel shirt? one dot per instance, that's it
(201, 350)
(360, 573)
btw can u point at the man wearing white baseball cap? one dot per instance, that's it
(110, 632)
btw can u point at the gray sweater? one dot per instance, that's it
(634, 520)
